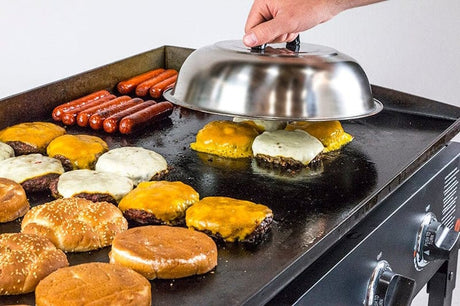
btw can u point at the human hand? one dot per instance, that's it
(272, 21)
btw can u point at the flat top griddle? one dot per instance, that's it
(312, 210)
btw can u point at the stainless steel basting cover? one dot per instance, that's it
(286, 82)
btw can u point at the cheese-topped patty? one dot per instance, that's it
(6, 151)
(330, 133)
(30, 137)
(262, 125)
(159, 202)
(89, 181)
(226, 139)
(138, 164)
(229, 219)
(297, 145)
(25, 167)
(81, 151)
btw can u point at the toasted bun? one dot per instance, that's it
(30, 137)
(139, 164)
(94, 284)
(75, 224)
(25, 260)
(13, 200)
(164, 251)
(77, 151)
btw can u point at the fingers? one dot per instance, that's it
(270, 31)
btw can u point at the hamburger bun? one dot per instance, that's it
(77, 151)
(92, 185)
(34, 172)
(229, 219)
(94, 284)
(13, 200)
(164, 252)
(25, 260)
(158, 202)
(6, 151)
(30, 137)
(75, 224)
(139, 164)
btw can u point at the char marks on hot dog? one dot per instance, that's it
(125, 87)
(157, 90)
(59, 110)
(140, 119)
(143, 88)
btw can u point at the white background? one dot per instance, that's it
(408, 45)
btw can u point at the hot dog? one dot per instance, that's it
(59, 110)
(127, 86)
(143, 88)
(157, 90)
(140, 119)
(110, 124)
(83, 116)
(96, 119)
(70, 117)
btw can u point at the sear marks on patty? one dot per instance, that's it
(40, 183)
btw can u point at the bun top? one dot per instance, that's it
(94, 283)
(25, 260)
(226, 139)
(75, 224)
(81, 150)
(36, 134)
(13, 200)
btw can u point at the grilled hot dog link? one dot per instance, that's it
(127, 86)
(70, 117)
(96, 120)
(140, 119)
(143, 88)
(60, 109)
(157, 90)
(83, 117)
(111, 123)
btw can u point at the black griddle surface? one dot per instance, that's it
(312, 210)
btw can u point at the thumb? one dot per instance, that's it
(264, 33)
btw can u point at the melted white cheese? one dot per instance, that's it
(296, 144)
(6, 151)
(264, 125)
(90, 181)
(138, 164)
(24, 167)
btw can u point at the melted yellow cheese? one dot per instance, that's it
(330, 133)
(231, 218)
(166, 200)
(225, 138)
(81, 150)
(37, 134)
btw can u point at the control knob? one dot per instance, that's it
(387, 288)
(434, 241)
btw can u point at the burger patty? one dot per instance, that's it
(285, 162)
(94, 197)
(142, 217)
(40, 183)
(22, 148)
(254, 238)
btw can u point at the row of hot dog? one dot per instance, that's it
(103, 110)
